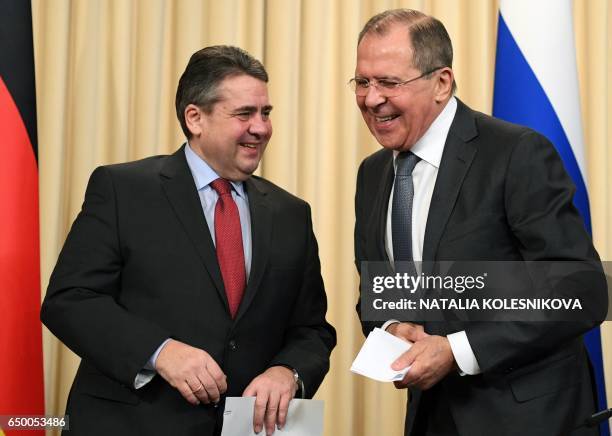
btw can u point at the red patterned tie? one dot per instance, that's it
(228, 237)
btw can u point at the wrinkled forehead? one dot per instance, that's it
(241, 90)
(390, 52)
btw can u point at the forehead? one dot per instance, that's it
(243, 90)
(385, 55)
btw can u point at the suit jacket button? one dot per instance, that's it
(232, 345)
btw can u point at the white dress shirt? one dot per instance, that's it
(429, 149)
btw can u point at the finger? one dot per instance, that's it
(186, 392)
(414, 375)
(210, 386)
(406, 359)
(424, 384)
(283, 407)
(199, 391)
(400, 384)
(406, 327)
(217, 375)
(271, 412)
(421, 330)
(425, 381)
(250, 391)
(193, 384)
(430, 377)
(411, 332)
(261, 401)
(403, 383)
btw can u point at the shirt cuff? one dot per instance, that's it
(386, 325)
(151, 362)
(463, 353)
(145, 375)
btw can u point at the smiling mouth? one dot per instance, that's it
(251, 146)
(384, 119)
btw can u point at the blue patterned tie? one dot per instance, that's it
(401, 212)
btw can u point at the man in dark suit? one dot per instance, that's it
(454, 184)
(185, 278)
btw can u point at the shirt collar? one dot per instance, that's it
(431, 145)
(203, 174)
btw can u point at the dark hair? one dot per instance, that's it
(207, 68)
(431, 45)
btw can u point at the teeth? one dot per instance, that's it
(383, 119)
(248, 145)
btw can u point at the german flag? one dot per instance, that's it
(21, 372)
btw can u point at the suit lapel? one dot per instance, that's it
(178, 184)
(261, 231)
(456, 160)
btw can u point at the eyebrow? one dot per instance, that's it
(252, 108)
(390, 78)
(379, 77)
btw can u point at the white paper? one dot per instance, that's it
(304, 418)
(378, 352)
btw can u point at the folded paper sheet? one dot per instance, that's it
(378, 352)
(304, 418)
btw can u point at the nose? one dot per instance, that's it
(373, 98)
(260, 126)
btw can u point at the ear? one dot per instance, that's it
(444, 85)
(194, 118)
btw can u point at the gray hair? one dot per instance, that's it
(431, 45)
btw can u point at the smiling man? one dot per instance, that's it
(454, 184)
(185, 279)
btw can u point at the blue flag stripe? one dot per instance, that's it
(519, 98)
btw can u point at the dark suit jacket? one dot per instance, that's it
(501, 194)
(139, 266)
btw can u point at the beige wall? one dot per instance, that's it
(106, 76)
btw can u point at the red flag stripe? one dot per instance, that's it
(21, 386)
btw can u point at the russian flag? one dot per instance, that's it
(536, 85)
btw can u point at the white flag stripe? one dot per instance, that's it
(542, 34)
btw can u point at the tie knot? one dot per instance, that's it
(222, 186)
(406, 161)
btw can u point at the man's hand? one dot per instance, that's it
(192, 372)
(429, 358)
(407, 331)
(273, 390)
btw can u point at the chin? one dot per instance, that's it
(246, 172)
(389, 145)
